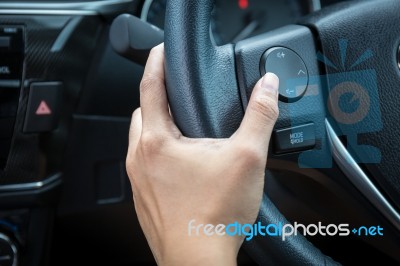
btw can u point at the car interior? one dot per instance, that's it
(70, 72)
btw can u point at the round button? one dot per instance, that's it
(8, 251)
(291, 70)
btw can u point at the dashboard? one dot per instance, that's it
(232, 21)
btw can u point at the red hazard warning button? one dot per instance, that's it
(43, 107)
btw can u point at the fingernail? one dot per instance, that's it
(270, 82)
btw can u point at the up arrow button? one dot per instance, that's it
(301, 72)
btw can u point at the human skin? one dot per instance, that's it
(176, 179)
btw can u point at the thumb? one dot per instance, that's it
(261, 114)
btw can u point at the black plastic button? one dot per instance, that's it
(291, 70)
(5, 42)
(43, 107)
(12, 39)
(293, 139)
(6, 127)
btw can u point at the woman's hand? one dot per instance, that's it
(212, 181)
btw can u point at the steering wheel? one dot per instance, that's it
(209, 87)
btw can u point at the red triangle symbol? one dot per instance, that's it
(43, 109)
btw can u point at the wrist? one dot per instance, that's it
(201, 250)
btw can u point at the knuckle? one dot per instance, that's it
(250, 155)
(266, 107)
(151, 143)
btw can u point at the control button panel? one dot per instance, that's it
(11, 52)
(11, 63)
(43, 107)
(291, 70)
(294, 139)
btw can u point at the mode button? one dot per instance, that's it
(293, 139)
